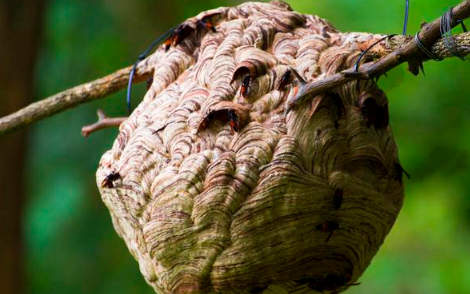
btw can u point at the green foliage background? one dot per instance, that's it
(71, 246)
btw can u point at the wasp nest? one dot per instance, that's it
(216, 188)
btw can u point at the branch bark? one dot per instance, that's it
(102, 123)
(405, 52)
(73, 97)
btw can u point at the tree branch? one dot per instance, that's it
(102, 123)
(70, 98)
(407, 51)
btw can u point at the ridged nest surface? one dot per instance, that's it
(215, 188)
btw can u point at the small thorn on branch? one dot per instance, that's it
(103, 122)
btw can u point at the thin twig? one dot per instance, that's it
(70, 98)
(409, 51)
(102, 123)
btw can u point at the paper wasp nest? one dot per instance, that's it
(215, 189)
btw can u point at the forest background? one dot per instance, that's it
(69, 245)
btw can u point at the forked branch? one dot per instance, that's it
(102, 123)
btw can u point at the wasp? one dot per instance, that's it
(108, 181)
(223, 115)
(167, 43)
(328, 226)
(207, 25)
(178, 35)
(245, 86)
(233, 120)
(181, 33)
